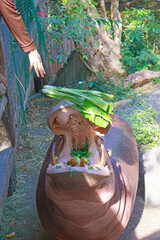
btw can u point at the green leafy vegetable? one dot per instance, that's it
(70, 171)
(57, 167)
(80, 154)
(89, 103)
(98, 168)
(91, 168)
(83, 152)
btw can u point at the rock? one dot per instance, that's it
(137, 79)
(2, 89)
(3, 102)
(151, 161)
(153, 98)
(112, 79)
(20, 147)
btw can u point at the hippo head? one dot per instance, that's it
(73, 131)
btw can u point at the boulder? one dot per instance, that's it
(139, 78)
(151, 161)
(2, 89)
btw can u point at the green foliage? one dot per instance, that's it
(156, 80)
(140, 40)
(119, 91)
(72, 20)
(142, 118)
(106, 85)
(68, 20)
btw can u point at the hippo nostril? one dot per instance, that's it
(55, 124)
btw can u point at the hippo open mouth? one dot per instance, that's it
(75, 132)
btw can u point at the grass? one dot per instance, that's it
(143, 120)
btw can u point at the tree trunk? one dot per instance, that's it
(115, 15)
(102, 8)
(104, 56)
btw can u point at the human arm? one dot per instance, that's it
(16, 25)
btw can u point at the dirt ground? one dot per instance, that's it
(20, 215)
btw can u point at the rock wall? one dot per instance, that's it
(6, 132)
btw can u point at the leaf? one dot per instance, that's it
(66, 20)
(98, 111)
(10, 235)
(57, 167)
(70, 171)
(93, 95)
(64, 2)
(98, 168)
(101, 122)
(51, 60)
(59, 95)
(91, 168)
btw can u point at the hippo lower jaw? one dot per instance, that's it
(70, 170)
(94, 186)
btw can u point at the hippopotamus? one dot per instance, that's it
(87, 202)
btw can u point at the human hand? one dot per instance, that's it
(36, 62)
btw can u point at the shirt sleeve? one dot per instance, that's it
(16, 25)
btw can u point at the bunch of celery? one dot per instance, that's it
(89, 103)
